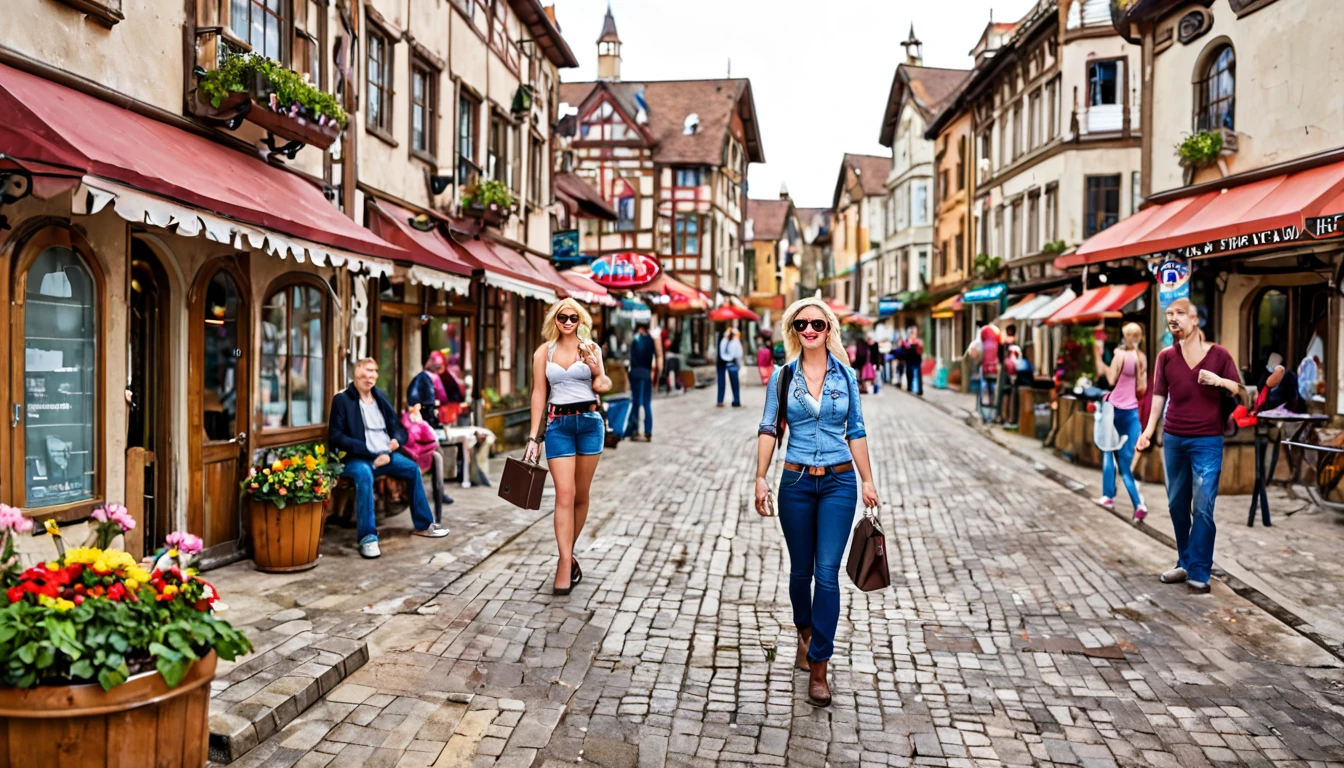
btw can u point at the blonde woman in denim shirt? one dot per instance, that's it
(817, 492)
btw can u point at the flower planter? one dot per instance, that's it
(494, 216)
(141, 722)
(255, 110)
(285, 540)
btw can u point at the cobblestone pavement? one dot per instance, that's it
(1024, 628)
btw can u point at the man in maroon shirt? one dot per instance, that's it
(1191, 378)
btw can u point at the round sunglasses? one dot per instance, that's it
(567, 319)
(818, 325)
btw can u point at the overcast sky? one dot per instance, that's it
(820, 72)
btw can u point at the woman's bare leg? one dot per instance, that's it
(584, 468)
(562, 474)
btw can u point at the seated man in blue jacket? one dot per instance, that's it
(364, 427)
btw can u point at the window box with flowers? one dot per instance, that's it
(286, 496)
(490, 201)
(250, 87)
(93, 642)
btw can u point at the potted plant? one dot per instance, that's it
(1200, 150)
(97, 644)
(490, 201)
(252, 87)
(286, 496)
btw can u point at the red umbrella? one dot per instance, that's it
(723, 314)
(857, 319)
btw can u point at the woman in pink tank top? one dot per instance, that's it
(1128, 374)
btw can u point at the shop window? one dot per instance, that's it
(1216, 90)
(60, 330)
(1102, 203)
(424, 109)
(468, 120)
(223, 349)
(293, 357)
(261, 23)
(378, 76)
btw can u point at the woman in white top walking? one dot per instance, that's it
(568, 376)
(730, 364)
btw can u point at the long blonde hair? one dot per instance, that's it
(1125, 333)
(793, 346)
(550, 329)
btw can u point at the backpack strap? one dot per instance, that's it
(782, 404)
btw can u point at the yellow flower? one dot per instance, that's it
(52, 527)
(132, 585)
(53, 566)
(320, 449)
(310, 463)
(169, 589)
(82, 556)
(58, 603)
(277, 466)
(172, 552)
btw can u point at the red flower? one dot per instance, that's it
(15, 594)
(117, 592)
(79, 599)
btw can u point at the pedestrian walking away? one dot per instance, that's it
(1127, 374)
(914, 361)
(817, 492)
(1194, 381)
(365, 427)
(568, 377)
(730, 365)
(645, 361)
(765, 359)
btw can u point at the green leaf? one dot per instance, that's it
(82, 669)
(174, 671)
(110, 677)
(118, 642)
(27, 653)
(162, 651)
(46, 655)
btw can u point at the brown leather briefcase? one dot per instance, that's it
(522, 483)
(867, 564)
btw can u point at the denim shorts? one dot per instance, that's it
(582, 434)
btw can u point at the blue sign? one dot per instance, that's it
(889, 307)
(565, 247)
(991, 292)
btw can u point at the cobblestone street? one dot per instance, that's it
(1025, 627)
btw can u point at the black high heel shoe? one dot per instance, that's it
(575, 573)
(561, 591)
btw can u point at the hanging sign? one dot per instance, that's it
(991, 292)
(1173, 282)
(565, 247)
(889, 307)
(626, 270)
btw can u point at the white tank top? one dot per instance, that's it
(569, 385)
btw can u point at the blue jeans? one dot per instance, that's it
(362, 472)
(641, 395)
(985, 400)
(732, 376)
(1127, 424)
(816, 514)
(579, 434)
(914, 376)
(1194, 466)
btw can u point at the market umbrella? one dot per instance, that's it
(723, 314)
(857, 319)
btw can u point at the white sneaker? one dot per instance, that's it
(434, 531)
(369, 550)
(1107, 502)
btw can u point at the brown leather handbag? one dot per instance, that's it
(867, 564)
(522, 483)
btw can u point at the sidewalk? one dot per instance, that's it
(1295, 563)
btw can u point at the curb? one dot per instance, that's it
(1257, 597)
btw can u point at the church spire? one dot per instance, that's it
(609, 49)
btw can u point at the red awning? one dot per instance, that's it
(433, 261)
(1260, 210)
(677, 297)
(510, 270)
(1098, 304)
(584, 289)
(572, 190)
(49, 123)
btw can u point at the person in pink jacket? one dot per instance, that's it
(423, 448)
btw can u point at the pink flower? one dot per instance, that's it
(185, 543)
(12, 519)
(115, 514)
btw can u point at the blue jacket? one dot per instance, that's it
(345, 432)
(817, 439)
(421, 391)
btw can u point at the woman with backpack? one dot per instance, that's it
(1128, 377)
(819, 397)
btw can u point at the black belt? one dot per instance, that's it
(573, 409)
(838, 469)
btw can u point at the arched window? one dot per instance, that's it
(1216, 90)
(58, 409)
(293, 356)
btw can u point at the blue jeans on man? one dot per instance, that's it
(816, 514)
(641, 396)
(362, 472)
(1194, 466)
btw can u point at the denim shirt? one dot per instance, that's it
(817, 439)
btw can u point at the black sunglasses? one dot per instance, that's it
(818, 325)
(567, 318)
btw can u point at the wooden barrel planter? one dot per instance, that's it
(141, 722)
(285, 540)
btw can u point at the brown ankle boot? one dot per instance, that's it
(818, 690)
(804, 642)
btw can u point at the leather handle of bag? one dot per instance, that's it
(781, 403)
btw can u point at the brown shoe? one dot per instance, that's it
(818, 690)
(804, 641)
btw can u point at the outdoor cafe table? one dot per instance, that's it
(1264, 422)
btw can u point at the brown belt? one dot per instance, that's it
(838, 469)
